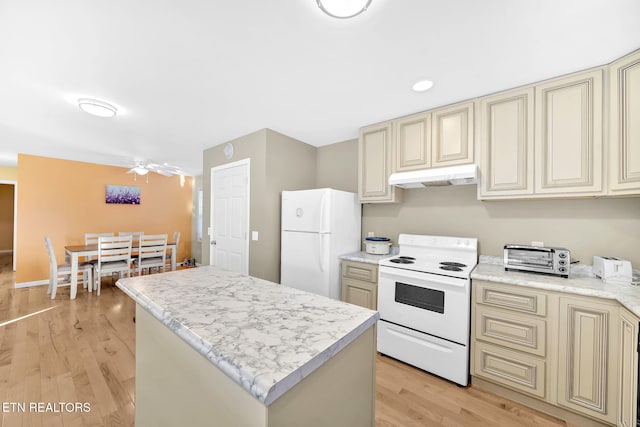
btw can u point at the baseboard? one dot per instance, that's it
(34, 283)
(6, 251)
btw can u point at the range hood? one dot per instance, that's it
(453, 175)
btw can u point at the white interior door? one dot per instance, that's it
(230, 217)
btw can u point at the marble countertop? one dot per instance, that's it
(267, 337)
(362, 256)
(581, 282)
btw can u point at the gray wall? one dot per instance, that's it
(278, 163)
(337, 166)
(587, 227)
(196, 245)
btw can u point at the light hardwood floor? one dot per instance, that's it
(84, 351)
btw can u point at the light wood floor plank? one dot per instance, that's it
(84, 351)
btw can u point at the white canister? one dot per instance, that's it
(377, 245)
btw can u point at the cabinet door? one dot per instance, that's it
(452, 136)
(374, 165)
(360, 293)
(586, 369)
(506, 144)
(624, 141)
(568, 137)
(412, 143)
(628, 369)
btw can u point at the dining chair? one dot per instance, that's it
(134, 234)
(92, 238)
(152, 252)
(176, 240)
(60, 274)
(114, 256)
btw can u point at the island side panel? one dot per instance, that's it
(176, 385)
(342, 392)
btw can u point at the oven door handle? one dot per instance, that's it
(423, 342)
(405, 275)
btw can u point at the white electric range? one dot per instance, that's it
(424, 300)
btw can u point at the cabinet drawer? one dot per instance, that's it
(510, 368)
(511, 297)
(360, 271)
(516, 331)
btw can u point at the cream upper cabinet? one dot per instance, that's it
(412, 145)
(628, 369)
(624, 125)
(506, 144)
(452, 136)
(374, 165)
(587, 368)
(568, 135)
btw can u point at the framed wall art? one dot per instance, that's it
(122, 195)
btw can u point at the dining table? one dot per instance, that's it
(73, 254)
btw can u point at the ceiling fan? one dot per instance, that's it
(144, 167)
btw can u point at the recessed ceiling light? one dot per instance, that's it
(422, 85)
(96, 107)
(343, 8)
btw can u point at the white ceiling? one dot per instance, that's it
(192, 74)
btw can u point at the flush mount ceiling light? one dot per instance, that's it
(422, 85)
(343, 8)
(96, 107)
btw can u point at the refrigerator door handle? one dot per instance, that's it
(321, 251)
(322, 212)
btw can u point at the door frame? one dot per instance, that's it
(15, 216)
(244, 162)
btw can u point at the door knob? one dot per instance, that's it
(213, 242)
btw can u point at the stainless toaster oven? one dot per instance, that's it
(537, 259)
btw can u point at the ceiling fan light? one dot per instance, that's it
(96, 107)
(140, 170)
(343, 8)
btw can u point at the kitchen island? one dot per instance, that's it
(218, 348)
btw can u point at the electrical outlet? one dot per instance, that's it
(539, 244)
(370, 234)
(254, 235)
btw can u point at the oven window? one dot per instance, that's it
(416, 296)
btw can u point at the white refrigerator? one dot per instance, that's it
(317, 227)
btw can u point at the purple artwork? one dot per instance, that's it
(123, 195)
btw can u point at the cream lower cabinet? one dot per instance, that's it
(587, 366)
(624, 125)
(628, 369)
(360, 284)
(575, 353)
(510, 337)
(374, 165)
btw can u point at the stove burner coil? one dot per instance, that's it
(453, 264)
(450, 267)
(402, 260)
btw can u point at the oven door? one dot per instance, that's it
(429, 303)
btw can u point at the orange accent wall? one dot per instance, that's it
(65, 199)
